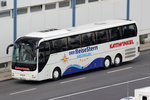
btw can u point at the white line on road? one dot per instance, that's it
(23, 91)
(100, 88)
(73, 80)
(119, 70)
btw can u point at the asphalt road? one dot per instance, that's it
(98, 84)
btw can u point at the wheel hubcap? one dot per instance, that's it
(117, 60)
(56, 74)
(107, 63)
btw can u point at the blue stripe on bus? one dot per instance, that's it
(74, 68)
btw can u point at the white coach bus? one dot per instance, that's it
(52, 54)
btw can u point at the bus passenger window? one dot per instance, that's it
(115, 34)
(129, 31)
(87, 39)
(59, 45)
(44, 53)
(74, 42)
(101, 36)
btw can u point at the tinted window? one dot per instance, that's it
(101, 36)
(92, 0)
(74, 42)
(59, 45)
(22, 11)
(87, 39)
(129, 31)
(80, 2)
(63, 4)
(44, 53)
(36, 8)
(115, 34)
(5, 14)
(50, 6)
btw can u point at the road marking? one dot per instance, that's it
(73, 80)
(23, 91)
(119, 70)
(100, 88)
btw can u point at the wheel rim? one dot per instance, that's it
(56, 74)
(107, 63)
(117, 60)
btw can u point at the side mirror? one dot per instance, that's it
(7, 50)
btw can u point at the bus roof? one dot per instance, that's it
(79, 29)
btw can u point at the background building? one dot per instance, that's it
(37, 15)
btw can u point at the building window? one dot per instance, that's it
(4, 14)
(36, 8)
(50, 6)
(144, 98)
(22, 11)
(3, 65)
(78, 2)
(63, 4)
(92, 0)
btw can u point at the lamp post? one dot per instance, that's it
(128, 9)
(15, 20)
(73, 13)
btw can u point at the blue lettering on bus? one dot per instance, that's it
(83, 50)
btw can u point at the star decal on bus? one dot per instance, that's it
(64, 58)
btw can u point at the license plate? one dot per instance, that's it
(22, 74)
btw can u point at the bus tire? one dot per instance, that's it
(56, 74)
(107, 62)
(118, 60)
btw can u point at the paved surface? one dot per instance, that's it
(99, 84)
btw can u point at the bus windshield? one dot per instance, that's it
(24, 53)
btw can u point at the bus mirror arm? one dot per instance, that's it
(7, 51)
(39, 47)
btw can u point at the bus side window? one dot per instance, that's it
(74, 42)
(44, 53)
(59, 45)
(101, 36)
(115, 34)
(88, 39)
(129, 31)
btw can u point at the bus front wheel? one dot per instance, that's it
(56, 74)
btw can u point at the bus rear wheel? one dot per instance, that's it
(107, 62)
(56, 74)
(117, 60)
